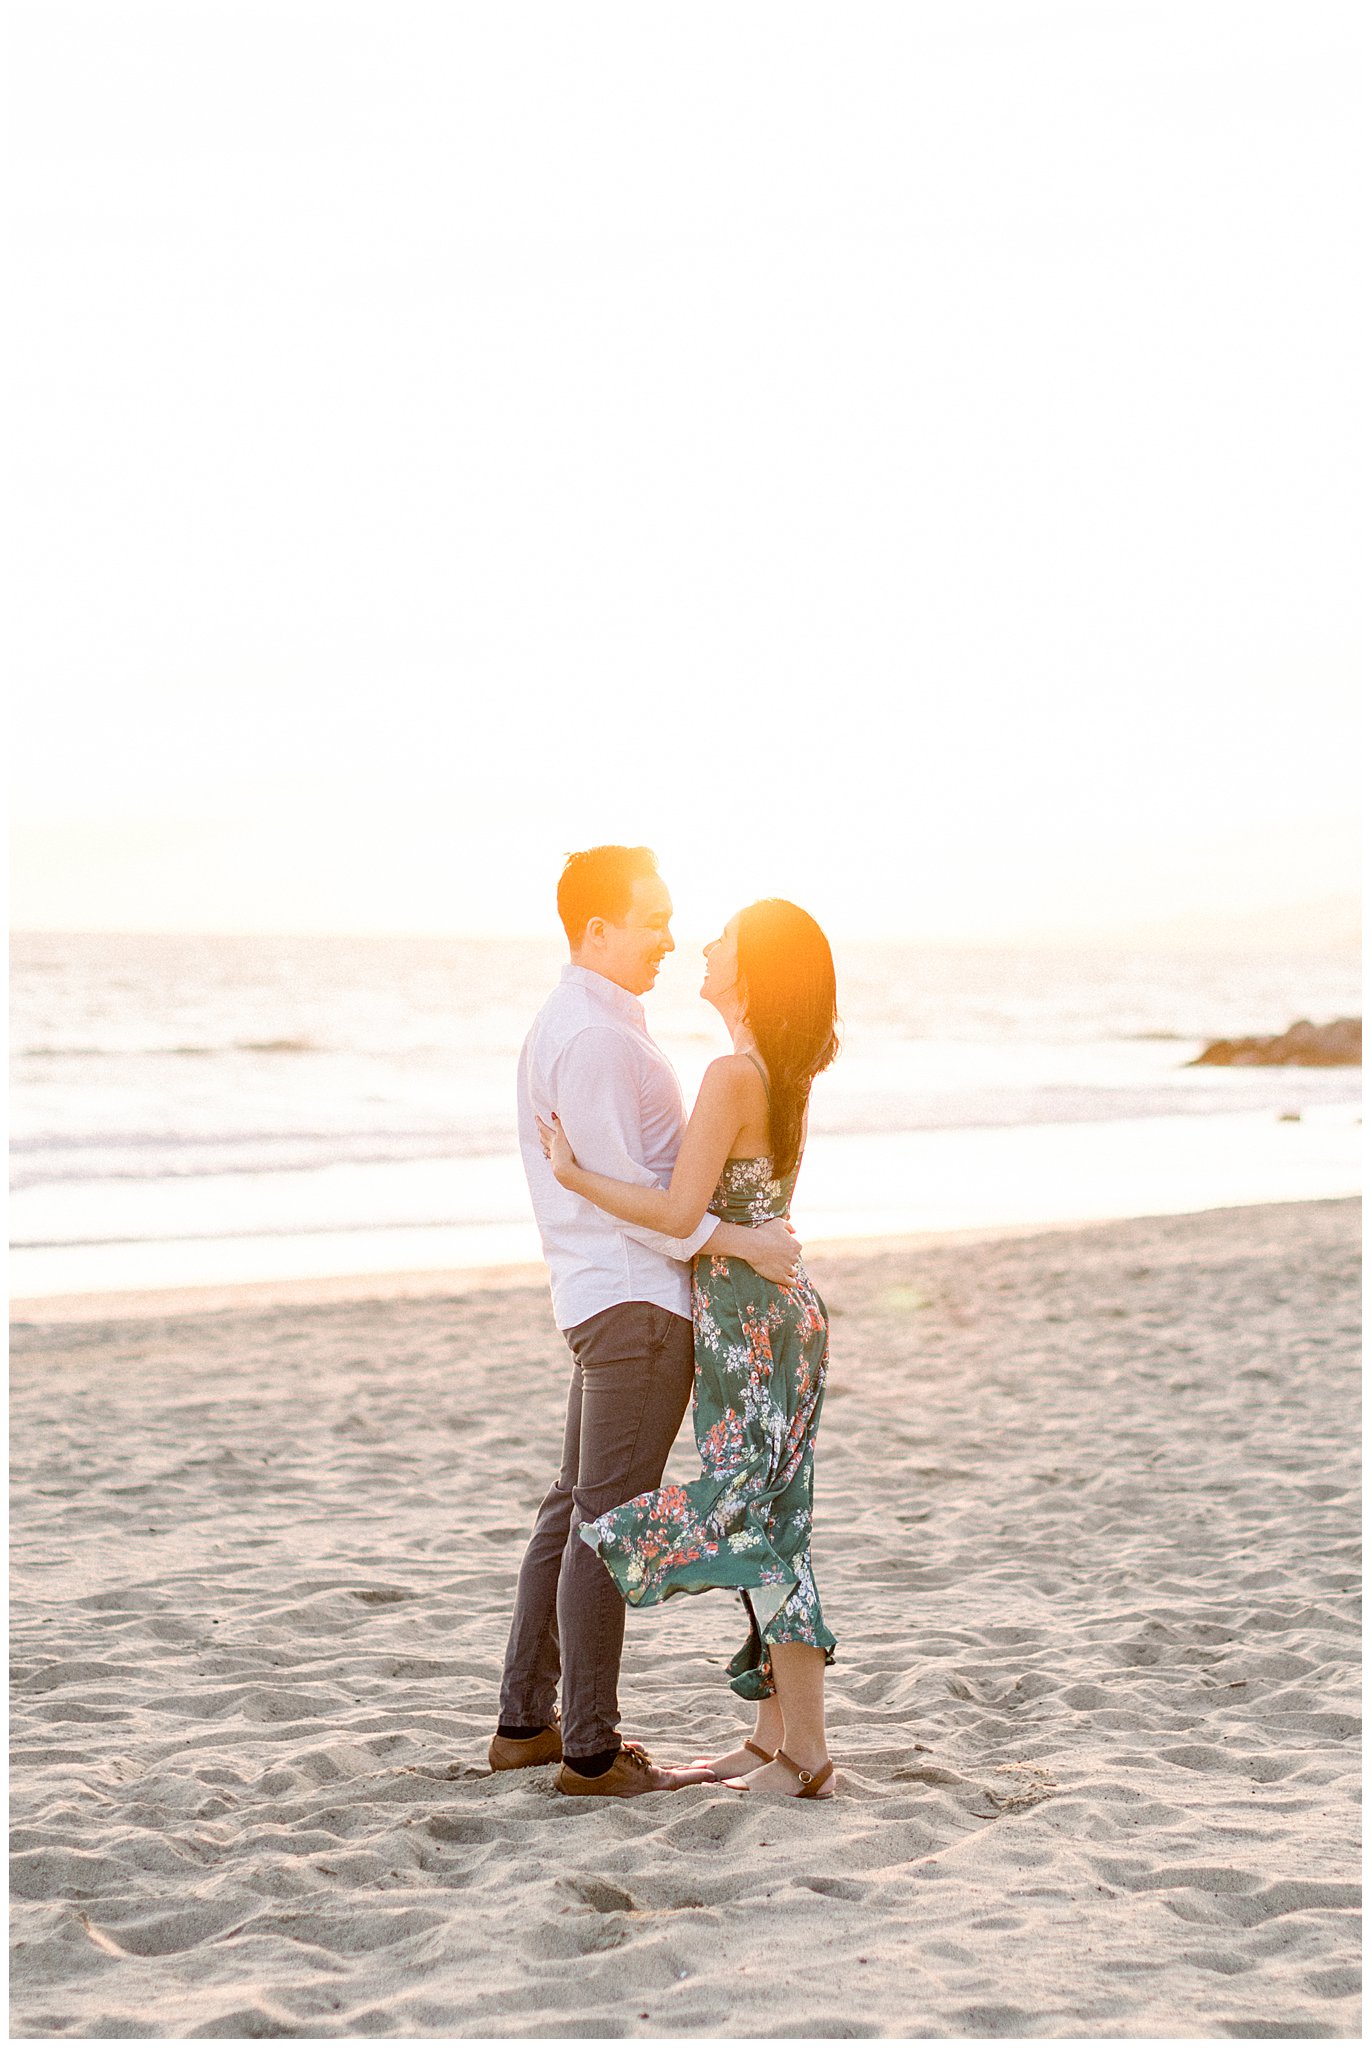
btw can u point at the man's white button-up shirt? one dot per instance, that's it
(589, 1057)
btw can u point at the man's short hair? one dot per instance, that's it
(599, 883)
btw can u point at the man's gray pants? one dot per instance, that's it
(631, 1373)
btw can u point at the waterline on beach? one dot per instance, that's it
(856, 1185)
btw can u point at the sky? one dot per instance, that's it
(903, 458)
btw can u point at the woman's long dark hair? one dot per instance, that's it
(790, 999)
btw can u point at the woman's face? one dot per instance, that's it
(720, 984)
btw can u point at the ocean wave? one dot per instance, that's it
(53, 1158)
(225, 1236)
(123, 1140)
(138, 1156)
(156, 1052)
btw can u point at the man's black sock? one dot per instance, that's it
(593, 1766)
(517, 1734)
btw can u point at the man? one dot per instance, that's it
(621, 1297)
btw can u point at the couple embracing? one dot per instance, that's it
(628, 1197)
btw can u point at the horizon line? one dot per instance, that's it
(1142, 933)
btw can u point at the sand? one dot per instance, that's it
(1086, 1528)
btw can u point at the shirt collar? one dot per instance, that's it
(605, 991)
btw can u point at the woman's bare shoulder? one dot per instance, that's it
(735, 1076)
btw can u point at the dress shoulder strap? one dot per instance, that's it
(762, 1071)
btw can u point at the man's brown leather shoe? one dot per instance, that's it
(509, 1754)
(632, 1771)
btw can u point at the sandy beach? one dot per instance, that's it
(1086, 1527)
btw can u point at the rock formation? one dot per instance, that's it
(1303, 1045)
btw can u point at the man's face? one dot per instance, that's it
(631, 951)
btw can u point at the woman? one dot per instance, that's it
(761, 1351)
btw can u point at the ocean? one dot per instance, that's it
(193, 1110)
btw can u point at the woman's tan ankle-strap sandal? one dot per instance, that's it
(810, 1781)
(768, 1756)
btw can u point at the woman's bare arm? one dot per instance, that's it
(719, 1114)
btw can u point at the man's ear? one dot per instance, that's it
(594, 931)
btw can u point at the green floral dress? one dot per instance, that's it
(761, 1358)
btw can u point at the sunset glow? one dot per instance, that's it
(926, 492)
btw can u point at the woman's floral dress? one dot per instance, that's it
(761, 1358)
